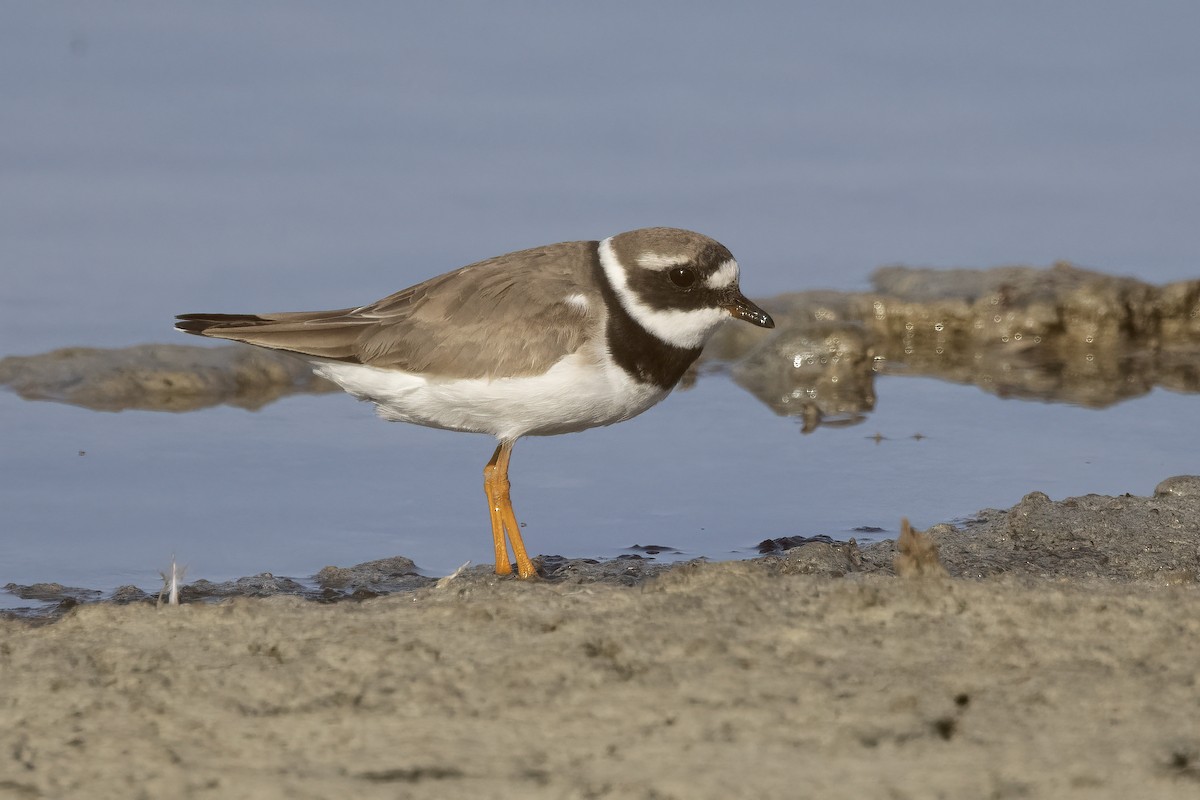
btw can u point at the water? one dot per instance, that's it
(160, 159)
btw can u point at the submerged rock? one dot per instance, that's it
(159, 377)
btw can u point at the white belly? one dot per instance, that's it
(576, 393)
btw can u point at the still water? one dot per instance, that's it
(101, 499)
(158, 159)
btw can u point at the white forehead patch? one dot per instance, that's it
(687, 329)
(658, 260)
(725, 276)
(578, 300)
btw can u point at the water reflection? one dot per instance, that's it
(1062, 334)
(822, 372)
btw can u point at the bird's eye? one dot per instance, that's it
(683, 277)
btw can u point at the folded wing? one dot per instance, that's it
(513, 315)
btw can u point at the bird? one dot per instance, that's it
(544, 341)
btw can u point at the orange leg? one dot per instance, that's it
(504, 521)
(489, 472)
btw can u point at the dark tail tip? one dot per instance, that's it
(200, 323)
(192, 323)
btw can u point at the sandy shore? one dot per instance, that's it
(1060, 658)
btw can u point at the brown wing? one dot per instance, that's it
(508, 315)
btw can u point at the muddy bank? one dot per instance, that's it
(1059, 661)
(1126, 539)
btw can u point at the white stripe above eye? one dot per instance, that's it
(658, 260)
(686, 329)
(725, 276)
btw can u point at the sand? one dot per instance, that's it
(1027, 672)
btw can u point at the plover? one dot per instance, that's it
(544, 341)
